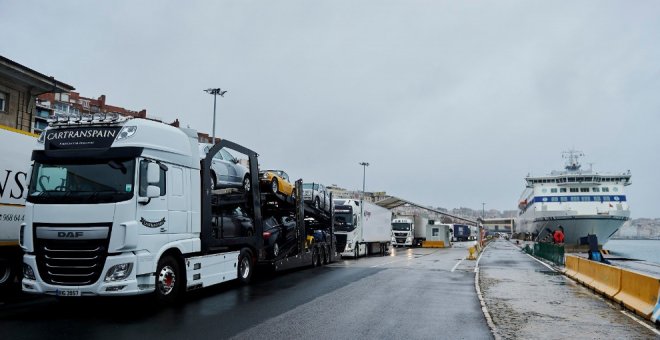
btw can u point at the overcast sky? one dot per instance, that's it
(451, 102)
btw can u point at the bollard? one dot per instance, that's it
(472, 251)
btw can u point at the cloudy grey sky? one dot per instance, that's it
(452, 102)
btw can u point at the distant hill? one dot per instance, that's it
(639, 228)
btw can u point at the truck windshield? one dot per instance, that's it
(401, 226)
(77, 182)
(344, 222)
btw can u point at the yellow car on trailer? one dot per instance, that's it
(277, 181)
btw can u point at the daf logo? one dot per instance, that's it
(69, 234)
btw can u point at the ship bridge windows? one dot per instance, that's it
(605, 189)
(563, 199)
(574, 189)
(553, 190)
(575, 198)
(595, 189)
(615, 189)
(554, 199)
(585, 198)
(584, 189)
(562, 189)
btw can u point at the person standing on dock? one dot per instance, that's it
(558, 235)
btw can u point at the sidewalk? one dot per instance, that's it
(528, 300)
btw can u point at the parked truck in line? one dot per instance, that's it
(125, 206)
(462, 232)
(361, 228)
(409, 230)
(15, 164)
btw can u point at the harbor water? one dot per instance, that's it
(647, 250)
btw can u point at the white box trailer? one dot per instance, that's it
(17, 148)
(361, 230)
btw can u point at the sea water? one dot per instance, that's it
(648, 250)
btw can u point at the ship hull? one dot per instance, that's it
(575, 226)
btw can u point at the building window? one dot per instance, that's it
(3, 102)
(584, 189)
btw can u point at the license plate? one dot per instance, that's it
(68, 292)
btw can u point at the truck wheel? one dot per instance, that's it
(326, 259)
(356, 251)
(7, 273)
(245, 266)
(315, 255)
(322, 256)
(169, 280)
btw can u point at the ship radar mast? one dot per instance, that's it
(572, 159)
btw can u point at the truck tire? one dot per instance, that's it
(170, 280)
(322, 256)
(245, 266)
(356, 251)
(315, 255)
(6, 273)
(326, 257)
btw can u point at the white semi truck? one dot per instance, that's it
(409, 230)
(361, 228)
(125, 206)
(14, 165)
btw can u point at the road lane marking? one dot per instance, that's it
(541, 262)
(457, 263)
(640, 322)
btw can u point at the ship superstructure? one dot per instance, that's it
(582, 202)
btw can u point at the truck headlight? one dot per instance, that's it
(393, 239)
(409, 239)
(118, 272)
(28, 273)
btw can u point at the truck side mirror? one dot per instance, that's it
(153, 174)
(153, 191)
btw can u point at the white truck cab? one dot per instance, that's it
(113, 208)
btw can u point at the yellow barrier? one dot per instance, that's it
(639, 292)
(571, 264)
(433, 244)
(607, 279)
(586, 271)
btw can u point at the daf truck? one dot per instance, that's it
(121, 206)
(14, 165)
(361, 228)
(409, 230)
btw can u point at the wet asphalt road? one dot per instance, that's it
(527, 300)
(414, 293)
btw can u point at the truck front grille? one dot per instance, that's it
(341, 242)
(71, 262)
(400, 240)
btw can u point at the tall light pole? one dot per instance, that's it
(483, 215)
(483, 210)
(215, 92)
(364, 175)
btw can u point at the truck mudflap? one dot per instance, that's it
(131, 285)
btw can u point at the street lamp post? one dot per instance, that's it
(364, 175)
(483, 215)
(215, 92)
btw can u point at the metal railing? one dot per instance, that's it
(548, 251)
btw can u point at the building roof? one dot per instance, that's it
(39, 82)
(394, 202)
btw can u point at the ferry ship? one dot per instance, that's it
(581, 202)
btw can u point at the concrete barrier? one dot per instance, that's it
(586, 271)
(433, 244)
(638, 292)
(607, 279)
(571, 266)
